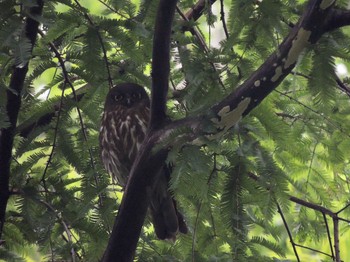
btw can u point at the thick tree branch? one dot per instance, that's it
(126, 231)
(308, 30)
(338, 18)
(161, 62)
(12, 107)
(133, 209)
(336, 239)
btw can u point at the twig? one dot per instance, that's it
(328, 234)
(43, 178)
(25, 129)
(313, 249)
(213, 171)
(113, 10)
(312, 206)
(344, 220)
(341, 210)
(310, 165)
(338, 127)
(222, 18)
(288, 232)
(65, 226)
(194, 32)
(336, 238)
(343, 87)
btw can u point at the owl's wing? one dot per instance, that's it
(167, 220)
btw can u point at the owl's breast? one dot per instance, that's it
(121, 136)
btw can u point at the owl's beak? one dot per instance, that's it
(128, 101)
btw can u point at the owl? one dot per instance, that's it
(123, 129)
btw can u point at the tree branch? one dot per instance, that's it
(12, 107)
(337, 19)
(247, 96)
(133, 208)
(54, 143)
(161, 62)
(197, 10)
(274, 70)
(145, 171)
(288, 232)
(313, 206)
(328, 234)
(336, 239)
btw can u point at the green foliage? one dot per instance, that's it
(234, 192)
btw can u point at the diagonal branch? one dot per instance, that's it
(54, 143)
(265, 79)
(288, 232)
(337, 19)
(271, 73)
(197, 10)
(12, 107)
(328, 234)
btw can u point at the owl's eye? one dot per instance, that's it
(118, 97)
(136, 95)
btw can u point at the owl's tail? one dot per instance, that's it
(167, 220)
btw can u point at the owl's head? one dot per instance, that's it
(127, 95)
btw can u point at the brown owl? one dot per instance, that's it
(123, 129)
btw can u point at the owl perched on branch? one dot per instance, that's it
(123, 129)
